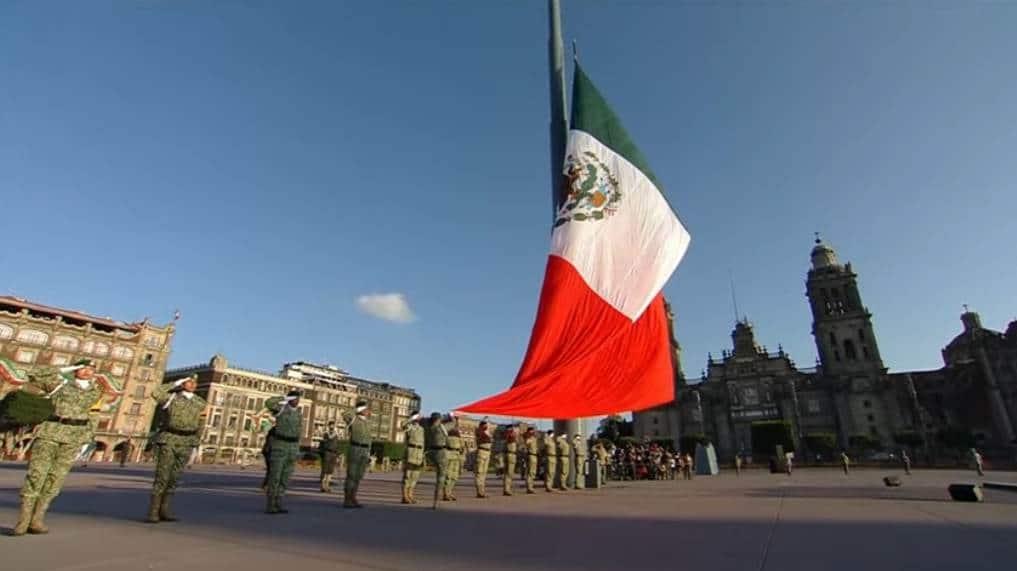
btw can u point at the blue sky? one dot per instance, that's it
(263, 165)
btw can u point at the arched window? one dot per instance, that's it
(833, 339)
(65, 343)
(6, 331)
(849, 350)
(97, 348)
(32, 336)
(123, 353)
(139, 393)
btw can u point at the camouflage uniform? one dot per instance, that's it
(178, 435)
(437, 449)
(284, 452)
(581, 467)
(550, 462)
(511, 455)
(359, 458)
(455, 463)
(532, 457)
(413, 463)
(564, 457)
(57, 443)
(483, 460)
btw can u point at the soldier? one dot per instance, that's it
(564, 457)
(328, 449)
(413, 463)
(58, 440)
(532, 452)
(455, 464)
(907, 462)
(738, 464)
(483, 438)
(845, 462)
(285, 447)
(360, 453)
(550, 460)
(511, 455)
(579, 445)
(603, 459)
(266, 451)
(437, 448)
(976, 457)
(182, 413)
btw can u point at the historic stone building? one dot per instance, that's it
(850, 392)
(237, 421)
(134, 354)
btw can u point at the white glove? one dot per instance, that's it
(288, 400)
(180, 383)
(71, 368)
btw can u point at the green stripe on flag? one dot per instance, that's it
(592, 114)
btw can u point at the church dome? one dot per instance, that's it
(823, 256)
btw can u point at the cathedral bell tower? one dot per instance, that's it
(841, 324)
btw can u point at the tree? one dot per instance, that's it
(614, 427)
(768, 434)
(824, 443)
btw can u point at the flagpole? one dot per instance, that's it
(559, 132)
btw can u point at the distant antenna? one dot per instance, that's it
(734, 298)
(575, 52)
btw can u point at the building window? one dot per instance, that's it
(861, 335)
(212, 438)
(146, 374)
(849, 350)
(865, 352)
(25, 356)
(232, 422)
(247, 425)
(136, 408)
(871, 418)
(103, 424)
(867, 404)
(122, 353)
(96, 348)
(836, 355)
(655, 420)
(65, 343)
(228, 441)
(59, 359)
(149, 359)
(119, 370)
(216, 420)
(6, 331)
(139, 393)
(32, 337)
(812, 405)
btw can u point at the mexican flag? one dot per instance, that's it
(600, 343)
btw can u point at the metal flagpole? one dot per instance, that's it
(559, 132)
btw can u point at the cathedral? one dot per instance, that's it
(849, 399)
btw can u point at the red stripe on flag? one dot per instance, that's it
(585, 358)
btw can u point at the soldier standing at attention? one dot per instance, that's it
(511, 455)
(579, 445)
(455, 463)
(550, 460)
(438, 451)
(845, 462)
(564, 457)
(360, 454)
(266, 451)
(328, 449)
(58, 440)
(285, 447)
(483, 458)
(183, 414)
(413, 463)
(532, 457)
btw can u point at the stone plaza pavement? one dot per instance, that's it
(818, 519)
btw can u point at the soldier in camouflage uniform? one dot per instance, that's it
(58, 440)
(360, 453)
(437, 449)
(455, 463)
(564, 458)
(413, 462)
(511, 454)
(532, 457)
(579, 445)
(285, 447)
(183, 413)
(328, 449)
(484, 444)
(550, 460)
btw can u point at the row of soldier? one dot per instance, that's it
(73, 391)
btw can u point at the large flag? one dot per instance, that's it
(600, 343)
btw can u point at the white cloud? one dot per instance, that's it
(387, 306)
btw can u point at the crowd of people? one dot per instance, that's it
(650, 462)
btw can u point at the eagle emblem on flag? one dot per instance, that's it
(591, 190)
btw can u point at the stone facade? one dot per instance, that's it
(135, 354)
(850, 392)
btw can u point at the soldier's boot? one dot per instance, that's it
(271, 507)
(437, 491)
(166, 508)
(25, 517)
(406, 496)
(348, 501)
(413, 497)
(38, 523)
(153, 509)
(279, 509)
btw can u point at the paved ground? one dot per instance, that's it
(818, 519)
